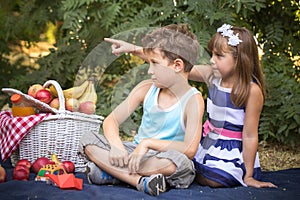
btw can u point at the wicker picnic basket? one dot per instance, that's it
(58, 133)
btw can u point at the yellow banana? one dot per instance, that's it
(89, 94)
(77, 91)
(53, 91)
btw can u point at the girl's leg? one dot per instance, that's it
(200, 179)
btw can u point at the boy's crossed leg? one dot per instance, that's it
(152, 182)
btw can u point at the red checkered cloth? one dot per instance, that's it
(14, 129)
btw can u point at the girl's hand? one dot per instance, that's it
(251, 182)
(118, 157)
(119, 46)
(136, 156)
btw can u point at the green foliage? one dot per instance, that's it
(122, 90)
(280, 118)
(81, 26)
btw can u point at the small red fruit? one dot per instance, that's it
(72, 104)
(18, 167)
(87, 107)
(68, 166)
(54, 103)
(25, 162)
(20, 174)
(44, 95)
(39, 163)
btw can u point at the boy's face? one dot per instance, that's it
(161, 69)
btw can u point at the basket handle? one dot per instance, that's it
(60, 93)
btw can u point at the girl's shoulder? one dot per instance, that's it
(256, 95)
(255, 89)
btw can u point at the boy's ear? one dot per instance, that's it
(178, 65)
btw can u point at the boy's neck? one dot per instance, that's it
(170, 96)
(178, 89)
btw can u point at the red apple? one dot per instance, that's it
(2, 174)
(54, 103)
(39, 163)
(20, 175)
(51, 162)
(18, 167)
(87, 107)
(33, 89)
(25, 162)
(72, 104)
(68, 166)
(44, 95)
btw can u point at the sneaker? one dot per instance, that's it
(97, 176)
(152, 185)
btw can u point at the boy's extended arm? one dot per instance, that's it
(120, 46)
(199, 73)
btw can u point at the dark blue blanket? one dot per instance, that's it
(288, 182)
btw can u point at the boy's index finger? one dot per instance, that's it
(111, 40)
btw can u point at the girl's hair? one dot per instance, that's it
(247, 67)
(174, 41)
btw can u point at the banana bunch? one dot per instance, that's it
(77, 91)
(84, 92)
(89, 94)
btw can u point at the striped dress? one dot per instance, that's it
(220, 156)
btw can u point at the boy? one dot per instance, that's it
(171, 126)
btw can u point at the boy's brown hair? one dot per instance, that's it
(174, 41)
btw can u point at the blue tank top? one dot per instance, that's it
(163, 124)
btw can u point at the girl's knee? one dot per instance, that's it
(201, 180)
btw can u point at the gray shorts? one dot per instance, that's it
(185, 171)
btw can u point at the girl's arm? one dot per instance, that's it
(201, 73)
(118, 154)
(250, 136)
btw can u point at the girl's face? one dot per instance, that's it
(223, 64)
(161, 70)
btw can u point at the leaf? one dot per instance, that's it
(109, 14)
(238, 6)
(297, 118)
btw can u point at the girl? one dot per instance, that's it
(227, 154)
